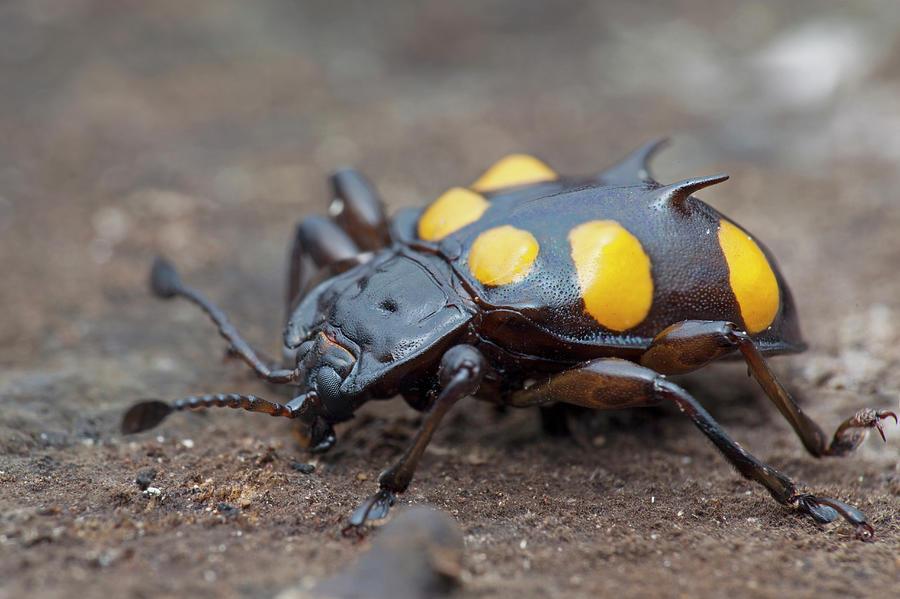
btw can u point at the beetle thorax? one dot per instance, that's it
(392, 314)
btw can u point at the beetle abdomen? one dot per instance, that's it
(609, 266)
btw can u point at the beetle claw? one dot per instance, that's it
(874, 419)
(375, 507)
(821, 513)
(883, 415)
(825, 510)
(865, 532)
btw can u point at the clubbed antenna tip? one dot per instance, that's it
(145, 415)
(164, 279)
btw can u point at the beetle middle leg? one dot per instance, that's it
(686, 346)
(461, 371)
(615, 383)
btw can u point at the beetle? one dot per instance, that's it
(525, 288)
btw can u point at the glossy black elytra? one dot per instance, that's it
(595, 287)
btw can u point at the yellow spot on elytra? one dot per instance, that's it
(515, 169)
(456, 208)
(751, 277)
(502, 255)
(613, 273)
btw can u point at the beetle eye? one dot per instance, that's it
(388, 305)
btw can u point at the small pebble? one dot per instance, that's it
(304, 468)
(143, 479)
(226, 509)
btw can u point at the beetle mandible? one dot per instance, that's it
(525, 288)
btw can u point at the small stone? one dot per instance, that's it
(303, 468)
(143, 479)
(226, 509)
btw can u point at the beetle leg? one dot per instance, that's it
(358, 210)
(318, 242)
(461, 371)
(688, 345)
(166, 283)
(615, 383)
(323, 248)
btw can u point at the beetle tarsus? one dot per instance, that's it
(820, 512)
(880, 416)
(851, 433)
(825, 510)
(375, 507)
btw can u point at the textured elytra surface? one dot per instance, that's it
(205, 132)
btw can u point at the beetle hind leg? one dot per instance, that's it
(686, 346)
(615, 383)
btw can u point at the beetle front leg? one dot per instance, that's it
(461, 371)
(686, 346)
(615, 383)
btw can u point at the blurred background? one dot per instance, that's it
(205, 130)
(120, 119)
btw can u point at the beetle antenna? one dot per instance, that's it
(147, 414)
(677, 193)
(166, 283)
(634, 168)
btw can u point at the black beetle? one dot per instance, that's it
(524, 289)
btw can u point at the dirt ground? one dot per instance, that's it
(205, 130)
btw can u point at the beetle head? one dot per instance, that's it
(358, 335)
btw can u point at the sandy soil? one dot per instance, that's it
(205, 130)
